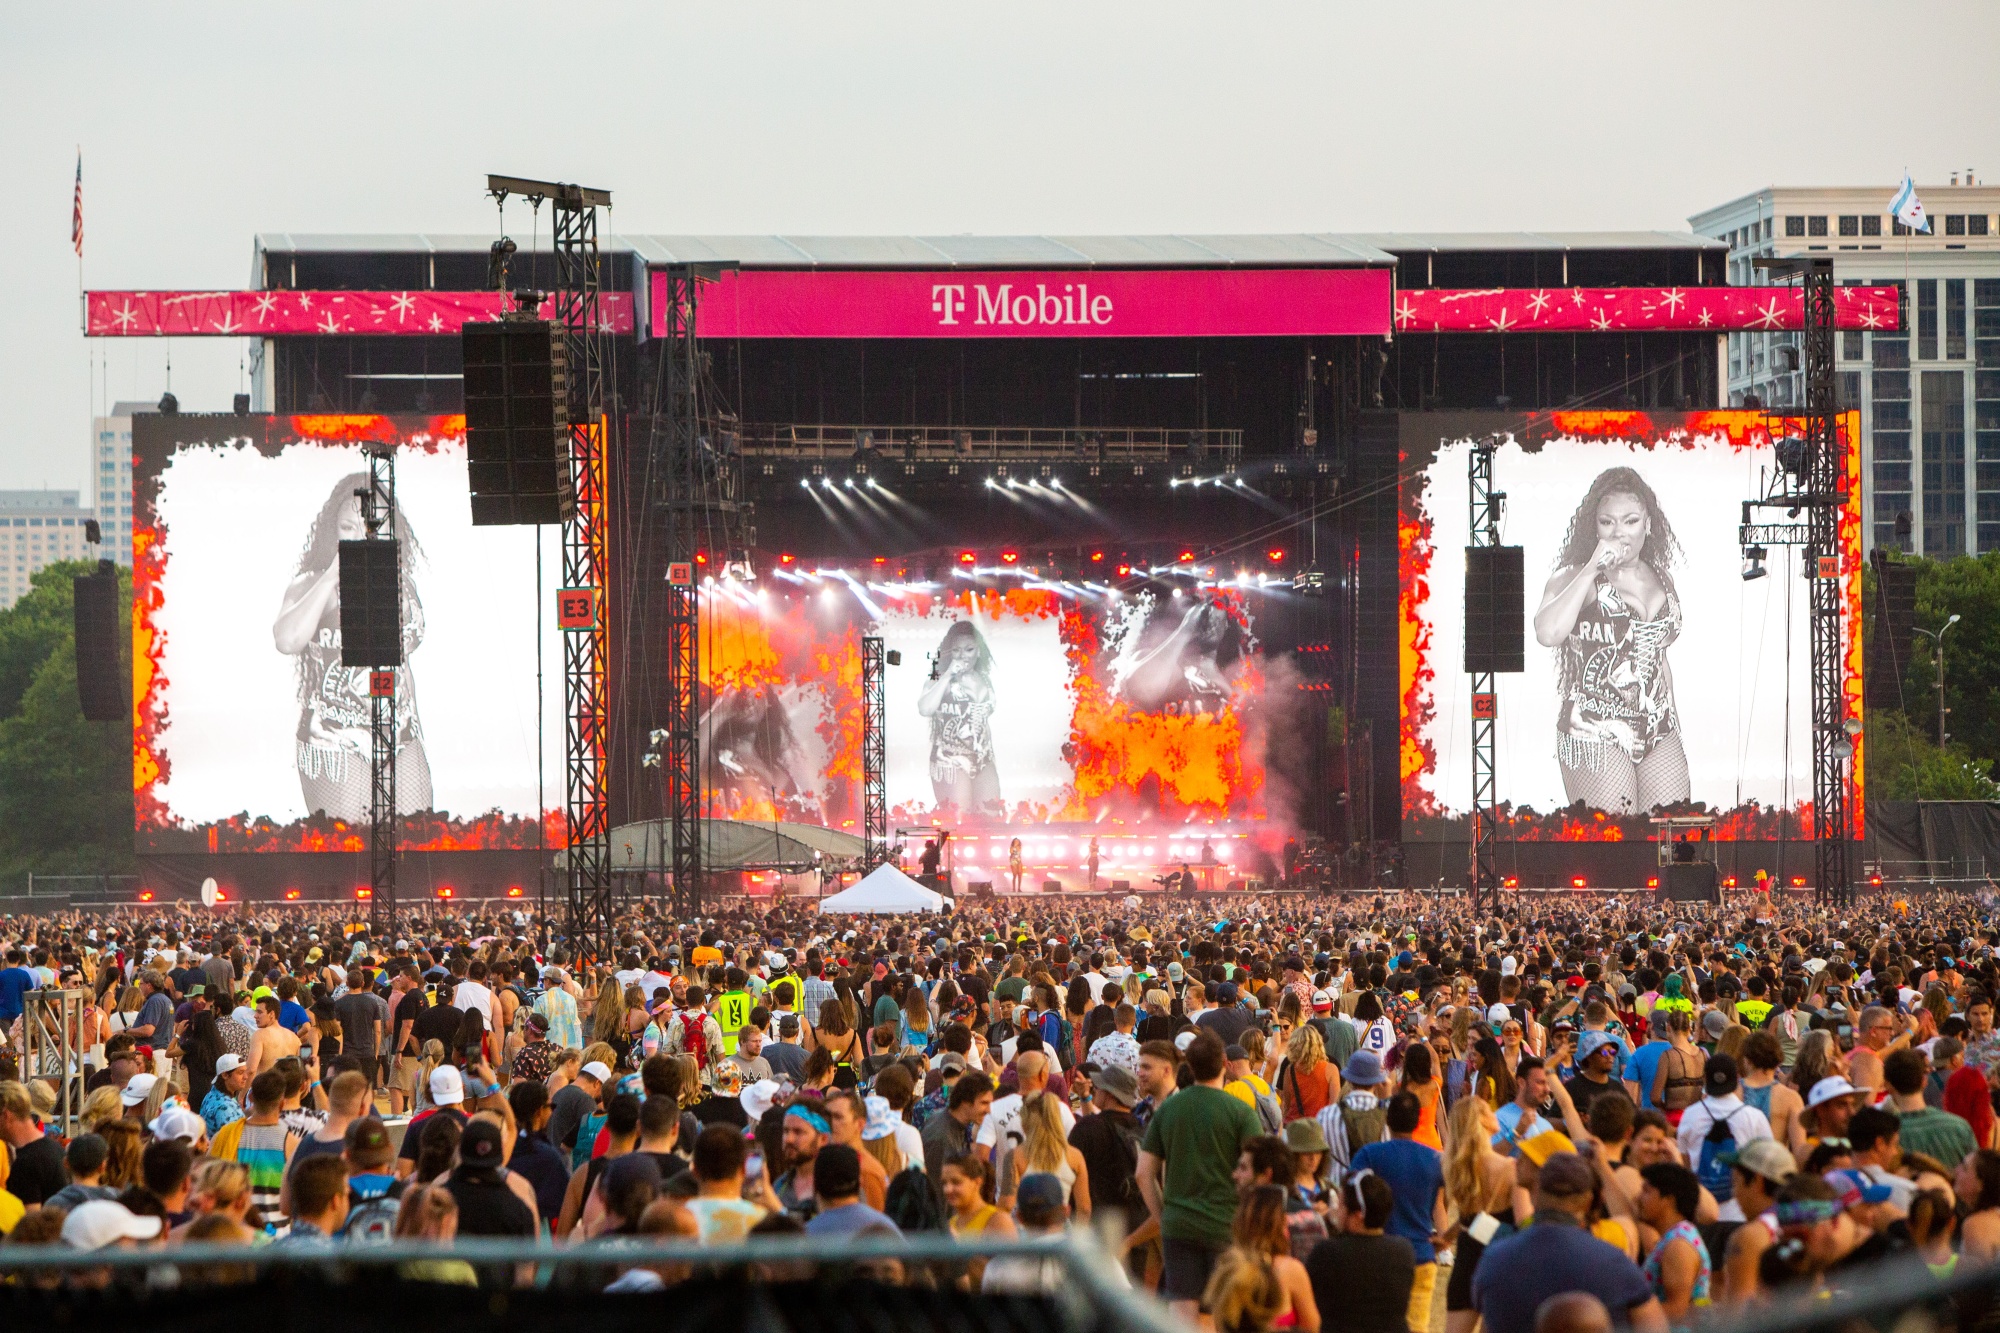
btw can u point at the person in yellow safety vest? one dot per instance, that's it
(732, 1008)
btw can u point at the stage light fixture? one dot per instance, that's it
(291, 895)
(1097, 557)
(364, 893)
(1185, 557)
(1275, 554)
(513, 890)
(444, 890)
(806, 483)
(1753, 563)
(968, 557)
(1852, 726)
(1010, 557)
(1511, 882)
(1576, 881)
(222, 895)
(145, 895)
(1124, 570)
(1798, 881)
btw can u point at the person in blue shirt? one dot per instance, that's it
(1415, 1174)
(291, 1014)
(15, 982)
(1641, 1065)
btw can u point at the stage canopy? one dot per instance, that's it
(884, 889)
(733, 844)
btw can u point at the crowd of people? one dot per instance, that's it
(1369, 1116)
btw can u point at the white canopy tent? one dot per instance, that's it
(884, 889)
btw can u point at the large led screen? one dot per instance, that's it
(250, 734)
(1657, 677)
(1014, 699)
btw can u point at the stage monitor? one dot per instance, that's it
(252, 720)
(1655, 676)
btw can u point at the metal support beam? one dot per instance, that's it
(586, 647)
(1827, 477)
(680, 752)
(874, 753)
(378, 514)
(1485, 531)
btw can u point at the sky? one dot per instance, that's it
(202, 124)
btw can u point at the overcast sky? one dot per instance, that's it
(202, 124)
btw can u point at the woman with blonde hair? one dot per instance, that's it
(837, 1037)
(1307, 1081)
(607, 1021)
(428, 1059)
(878, 1136)
(220, 1188)
(430, 1213)
(1045, 1148)
(127, 1012)
(103, 1104)
(121, 1163)
(1256, 1284)
(1477, 1181)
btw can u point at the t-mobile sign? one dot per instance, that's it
(1059, 303)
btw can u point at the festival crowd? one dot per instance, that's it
(1303, 1114)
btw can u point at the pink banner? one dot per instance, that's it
(1059, 303)
(256, 314)
(1629, 309)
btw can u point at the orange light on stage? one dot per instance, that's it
(1097, 557)
(1511, 882)
(1124, 570)
(364, 893)
(1275, 554)
(787, 558)
(513, 890)
(881, 559)
(1576, 881)
(1653, 882)
(1184, 557)
(291, 895)
(1010, 557)
(1875, 881)
(1729, 883)
(968, 557)
(145, 895)
(444, 890)
(701, 557)
(222, 895)
(1798, 881)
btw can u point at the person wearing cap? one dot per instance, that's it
(1108, 1140)
(1185, 1170)
(105, 1224)
(1830, 1104)
(536, 1059)
(573, 1106)
(447, 1088)
(487, 1204)
(836, 1176)
(1557, 1254)
(1758, 1169)
(1596, 1061)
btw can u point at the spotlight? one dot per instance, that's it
(291, 895)
(970, 557)
(1185, 557)
(1753, 563)
(1275, 554)
(1097, 557)
(145, 895)
(1010, 557)
(1794, 456)
(513, 890)
(1124, 570)
(806, 482)
(364, 893)
(1576, 881)
(444, 890)
(787, 559)
(991, 483)
(1653, 882)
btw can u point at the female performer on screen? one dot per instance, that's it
(959, 703)
(334, 713)
(1609, 611)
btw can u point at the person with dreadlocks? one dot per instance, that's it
(1610, 610)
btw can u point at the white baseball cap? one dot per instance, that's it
(1828, 1089)
(447, 1088)
(227, 1064)
(138, 1090)
(102, 1222)
(598, 1070)
(177, 1122)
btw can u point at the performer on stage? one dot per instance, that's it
(1208, 864)
(928, 863)
(1091, 863)
(1014, 862)
(333, 741)
(1610, 611)
(959, 703)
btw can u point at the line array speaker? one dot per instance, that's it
(102, 687)
(1893, 642)
(371, 620)
(1494, 613)
(517, 422)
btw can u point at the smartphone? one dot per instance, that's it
(753, 1166)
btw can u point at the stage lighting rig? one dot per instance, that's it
(1753, 563)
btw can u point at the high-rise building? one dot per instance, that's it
(1925, 391)
(38, 528)
(111, 476)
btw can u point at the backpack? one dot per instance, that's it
(1364, 1127)
(694, 1037)
(373, 1220)
(1711, 1170)
(1122, 1191)
(912, 1202)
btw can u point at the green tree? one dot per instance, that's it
(1968, 587)
(65, 784)
(1905, 764)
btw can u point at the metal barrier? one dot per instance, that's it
(51, 1027)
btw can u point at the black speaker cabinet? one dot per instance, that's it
(1691, 882)
(371, 630)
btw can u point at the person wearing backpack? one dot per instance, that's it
(1713, 1128)
(1360, 1117)
(695, 1032)
(374, 1195)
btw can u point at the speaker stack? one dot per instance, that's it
(517, 422)
(1893, 641)
(102, 687)
(1494, 610)
(371, 632)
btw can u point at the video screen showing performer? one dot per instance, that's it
(1610, 612)
(959, 702)
(333, 740)
(754, 758)
(1190, 668)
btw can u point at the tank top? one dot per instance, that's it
(1682, 1230)
(1427, 1116)
(1613, 686)
(1758, 1097)
(977, 1226)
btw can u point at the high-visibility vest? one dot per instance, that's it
(732, 1015)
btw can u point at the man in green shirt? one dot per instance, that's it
(1926, 1129)
(1186, 1161)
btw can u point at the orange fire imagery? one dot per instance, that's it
(1422, 815)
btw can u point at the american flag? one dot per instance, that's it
(76, 209)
